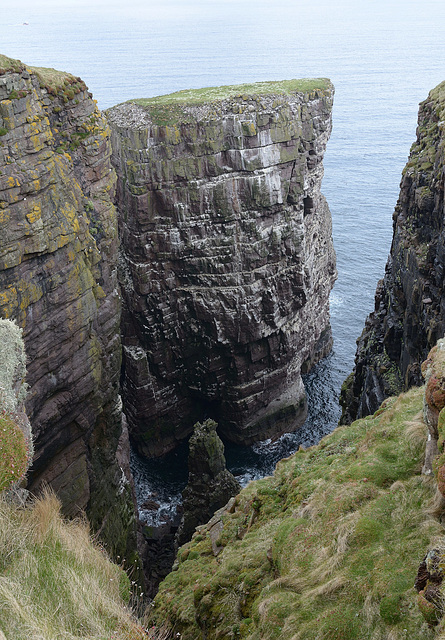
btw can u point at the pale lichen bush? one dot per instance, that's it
(12, 366)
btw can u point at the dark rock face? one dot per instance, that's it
(227, 259)
(58, 280)
(409, 315)
(210, 485)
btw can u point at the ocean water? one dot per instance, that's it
(383, 58)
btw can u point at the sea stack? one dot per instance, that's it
(227, 259)
(210, 485)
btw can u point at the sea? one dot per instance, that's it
(383, 58)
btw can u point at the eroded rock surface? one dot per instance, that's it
(409, 315)
(227, 258)
(210, 485)
(58, 281)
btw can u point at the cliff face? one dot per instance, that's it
(58, 254)
(409, 314)
(227, 258)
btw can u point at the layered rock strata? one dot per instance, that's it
(409, 314)
(210, 485)
(227, 258)
(58, 281)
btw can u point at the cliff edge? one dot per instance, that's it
(409, 315)
(327, 548)
(227, 259)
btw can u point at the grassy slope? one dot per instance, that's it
(327, 549)
(55, 583)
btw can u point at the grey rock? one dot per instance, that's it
(226, 261)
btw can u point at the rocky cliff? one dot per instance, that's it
(210, 485)
(227, 258)
(58, 281)
(409, 314)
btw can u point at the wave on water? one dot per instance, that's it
(160, 482)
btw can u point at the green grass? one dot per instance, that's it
(212, 94)
(326, 549)
(58, 83)
(171, 108)
(13, 452)
(9, 64)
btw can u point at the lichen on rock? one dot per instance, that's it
(227, 257)
(58, 281)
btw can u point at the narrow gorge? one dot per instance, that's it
(409, 315)
(167, 267)
(218, 294)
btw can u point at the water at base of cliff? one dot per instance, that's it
(159, 482)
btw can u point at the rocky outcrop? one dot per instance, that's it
(227, 258)
(431, 570)
(210, 485)
(409, 314)
(58, 281)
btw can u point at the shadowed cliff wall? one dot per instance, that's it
(409, 315)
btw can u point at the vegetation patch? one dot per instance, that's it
(59, 83)
(9, 64)
(56, 583)
(13, 452)
(326, 549)
(173, 108)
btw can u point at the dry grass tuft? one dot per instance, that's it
(327, 588)
(56, 584)
(416, 430)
